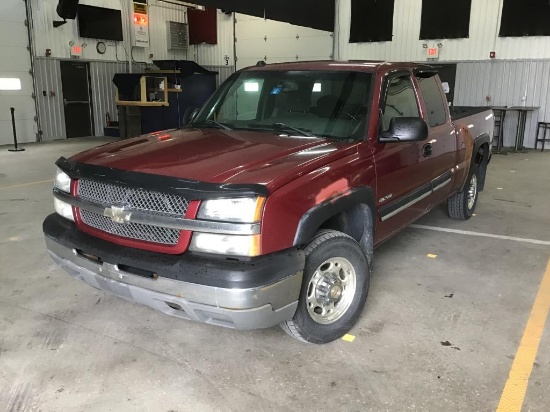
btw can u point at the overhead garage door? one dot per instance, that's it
(259, 39)
(15, 64)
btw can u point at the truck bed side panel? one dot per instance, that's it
(470, 131)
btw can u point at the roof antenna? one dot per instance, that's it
(261, 63)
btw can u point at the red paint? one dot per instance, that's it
(203, 25)
(298, 180)
(164, 137)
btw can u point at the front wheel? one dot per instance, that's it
(461, 205)
(334, 289)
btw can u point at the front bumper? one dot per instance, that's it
(242, 295)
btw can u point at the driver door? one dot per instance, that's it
(403, 176)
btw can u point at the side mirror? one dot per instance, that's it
(405, 129)
(189, 115)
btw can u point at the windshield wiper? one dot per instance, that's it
(283, 126)
(219, 125)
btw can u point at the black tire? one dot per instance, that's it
(459, 205)
(325, 245)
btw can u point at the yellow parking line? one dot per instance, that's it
(516, 385)
(27, 184)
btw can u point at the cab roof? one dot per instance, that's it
(328, 65)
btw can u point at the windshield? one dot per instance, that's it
(308, 103)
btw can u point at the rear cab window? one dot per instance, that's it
(434, 101)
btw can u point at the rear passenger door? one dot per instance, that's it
(403, 177)
(440, 150)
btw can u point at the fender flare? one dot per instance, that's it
(342, 202)
(480, 141)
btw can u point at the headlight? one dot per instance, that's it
(62, 181)
(63, 209)
(243, 210)
(226, 244)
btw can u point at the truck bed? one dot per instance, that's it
(459, 112)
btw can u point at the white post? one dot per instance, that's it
(342, 19)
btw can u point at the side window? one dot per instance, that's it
(400, 100)
(433, 99)
(241, 102)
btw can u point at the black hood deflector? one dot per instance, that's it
(189, 189)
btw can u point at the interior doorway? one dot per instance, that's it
(77, 98)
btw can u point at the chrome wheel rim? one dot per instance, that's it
(331, 290)
(472, 192)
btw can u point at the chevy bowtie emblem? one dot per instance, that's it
(118, 214)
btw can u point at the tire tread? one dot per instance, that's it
(289, 326)
(455, 206)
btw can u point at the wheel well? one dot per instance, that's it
(482, 154)
(482, 160)
(356, 222)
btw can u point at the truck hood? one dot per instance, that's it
(219, 156)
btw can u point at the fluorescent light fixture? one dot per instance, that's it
(251, 87)
(489, 117)
(7, 83)
(470, 126)
(317, 88)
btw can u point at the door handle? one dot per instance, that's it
(427, 150)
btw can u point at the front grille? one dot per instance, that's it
(134, 199)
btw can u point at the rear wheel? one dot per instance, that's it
(334, 289)
(461, 205)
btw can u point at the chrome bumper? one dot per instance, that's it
(252, 308)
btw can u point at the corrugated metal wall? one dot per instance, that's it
(57, 39)
(50, 106)
(103, 91)
(507, 83)
(102, 67)
(484, 28)
(48, 79)
(159, 14)
(215, 55)
(224, 72)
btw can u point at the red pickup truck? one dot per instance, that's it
(267, 207)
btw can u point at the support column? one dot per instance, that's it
(342, 19)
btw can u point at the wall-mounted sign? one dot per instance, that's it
(140, 23)
(76, 50)
(433, 52)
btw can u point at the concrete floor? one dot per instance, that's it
(65, 346)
